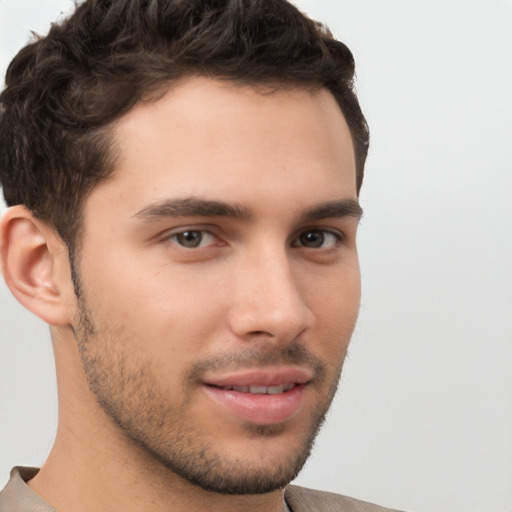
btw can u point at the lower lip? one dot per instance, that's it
(259, 409)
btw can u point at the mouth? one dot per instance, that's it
(260, 397)
(261, 390)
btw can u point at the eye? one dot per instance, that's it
(317, 239)
(193, 238)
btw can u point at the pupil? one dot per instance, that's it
(312, 239)
(190, 238)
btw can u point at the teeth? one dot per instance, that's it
(243, 389)
(261, 390)
(274, 390)
(258, 390)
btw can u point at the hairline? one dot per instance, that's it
(157, 92)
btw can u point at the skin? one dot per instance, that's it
(273, 286)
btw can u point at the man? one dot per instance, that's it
(182, 180)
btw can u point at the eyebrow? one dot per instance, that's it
(194, 207)
(334, 209)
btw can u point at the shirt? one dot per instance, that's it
(17, 496)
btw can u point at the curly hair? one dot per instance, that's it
(64, 90)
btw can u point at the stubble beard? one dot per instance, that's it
(127, 389)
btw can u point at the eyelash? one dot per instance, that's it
(336, 238)
(175, 236)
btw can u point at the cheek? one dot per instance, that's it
(169, 313)
(335, 297)
(336, 309)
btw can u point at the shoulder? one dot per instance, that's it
(301, 499)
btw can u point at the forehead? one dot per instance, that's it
(218, 140)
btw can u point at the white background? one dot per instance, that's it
(423, 421)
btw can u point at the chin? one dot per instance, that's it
(264, 461)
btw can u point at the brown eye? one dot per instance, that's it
(193, 238)
(312, 239)
(317, 239)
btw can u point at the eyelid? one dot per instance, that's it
(337, 233)
(186, 227)
(168, 235)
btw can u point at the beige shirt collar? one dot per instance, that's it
(17, 496)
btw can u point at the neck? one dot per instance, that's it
(81, 465)
(93, 463)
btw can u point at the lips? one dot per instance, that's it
(261, 390)
(266, 377)
(262, 396)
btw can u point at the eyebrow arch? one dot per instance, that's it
(193, 207)
(338, 208)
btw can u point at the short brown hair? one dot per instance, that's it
(63, 90)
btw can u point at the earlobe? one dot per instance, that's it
(28, 253)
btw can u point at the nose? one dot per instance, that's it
(268, 301)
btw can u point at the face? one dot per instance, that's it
(219, 281)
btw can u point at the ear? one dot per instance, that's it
(30, 252)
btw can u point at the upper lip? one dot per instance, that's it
(261, 377)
